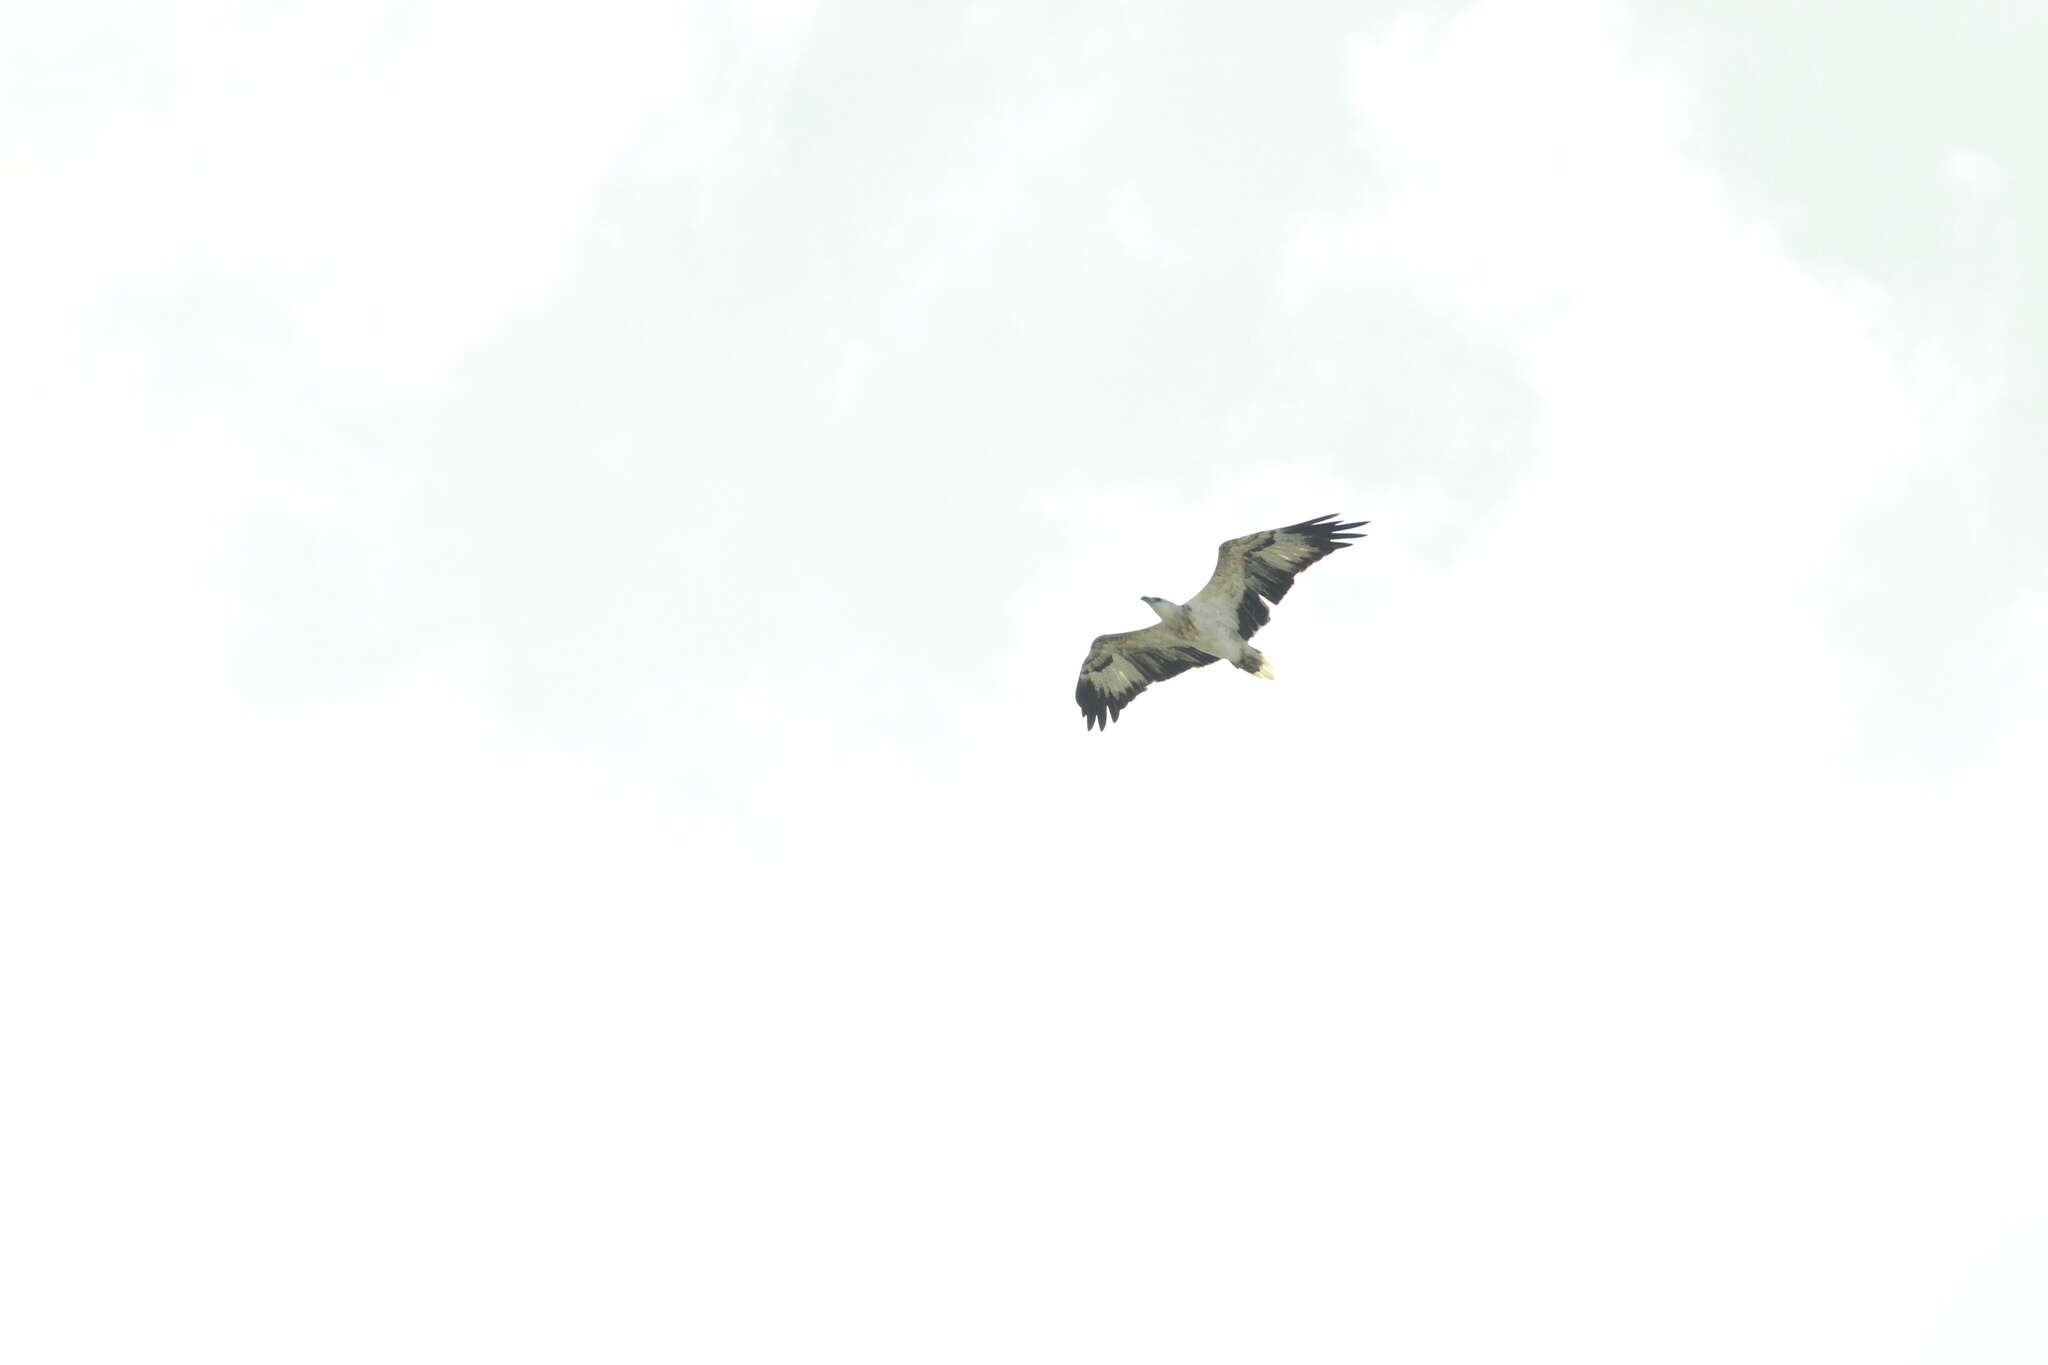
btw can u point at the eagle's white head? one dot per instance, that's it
(1168, 611)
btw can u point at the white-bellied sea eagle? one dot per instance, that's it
(1213, 624)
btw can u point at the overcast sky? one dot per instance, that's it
(547, 550)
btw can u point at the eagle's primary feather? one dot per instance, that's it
(1119, 667)
(1213, 624)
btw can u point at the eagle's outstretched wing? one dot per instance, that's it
(1255, 569)
(1119, 667)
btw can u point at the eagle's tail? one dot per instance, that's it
(1254, 663)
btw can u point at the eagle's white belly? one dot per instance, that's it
(1215, 632)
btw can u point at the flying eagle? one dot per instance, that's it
(1213, 624)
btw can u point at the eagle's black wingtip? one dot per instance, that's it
(1326, 524)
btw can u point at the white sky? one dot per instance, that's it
(548, 555)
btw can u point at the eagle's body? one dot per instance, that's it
(1206, 626)
(1213, 624)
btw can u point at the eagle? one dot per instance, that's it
(1213, 624)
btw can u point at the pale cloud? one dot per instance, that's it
(1525, 146)
(1139, 228)
(1973, 171)
(1709, 406)
(947, 235)
(398, 179)
(404, 186)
